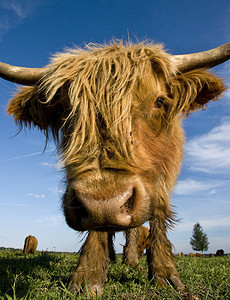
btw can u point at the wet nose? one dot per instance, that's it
(104, 211)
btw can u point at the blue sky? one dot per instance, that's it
(31, 184)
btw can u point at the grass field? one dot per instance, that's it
(46, 276)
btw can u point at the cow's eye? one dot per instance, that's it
(159, 102)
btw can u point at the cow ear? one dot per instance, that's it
(25, 106)
(30, 108)
(192, 91)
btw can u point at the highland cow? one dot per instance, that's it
(199, 255)
(220, 252)
(192, 254)
(30, 245)
(115, 112)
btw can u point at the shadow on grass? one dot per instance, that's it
(123, 274)
(124, 278)
(21, 271)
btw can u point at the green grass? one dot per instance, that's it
(46, 276)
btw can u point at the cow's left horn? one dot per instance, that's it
(205, 59)
(21, 75)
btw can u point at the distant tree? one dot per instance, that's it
(199, 239)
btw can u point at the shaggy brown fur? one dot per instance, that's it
(143, 240)
(30, 245)
(130, 253)
(137, 240)
(115, 113)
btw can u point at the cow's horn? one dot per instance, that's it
(21, 75)
(205, 59)
(187, 62)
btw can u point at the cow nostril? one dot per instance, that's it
(127, 207)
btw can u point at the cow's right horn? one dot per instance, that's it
(21, 75)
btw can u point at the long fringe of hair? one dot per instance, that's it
(100, 82)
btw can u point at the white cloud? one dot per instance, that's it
(52, 220)
(190, 186)
(57, 166)
(25, 156)
(13, 12)
(20, 9)
(214, 222)
(41, 196)
(20, 157)
(210, 152)
(58, 190)
(212, 192)
(16, 7)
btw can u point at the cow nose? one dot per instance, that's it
(115, 211)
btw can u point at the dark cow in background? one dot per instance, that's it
(30, 245)
(220, 252)
(199, 255)
(115, 112)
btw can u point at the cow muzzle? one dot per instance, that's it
(111, 211)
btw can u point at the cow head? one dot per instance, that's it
(115, 114)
